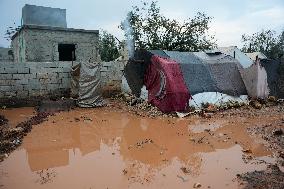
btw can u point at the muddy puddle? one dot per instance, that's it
(105, 148)
(17, 115)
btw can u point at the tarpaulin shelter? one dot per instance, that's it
(209, 72)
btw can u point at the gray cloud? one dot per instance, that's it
(231, 18)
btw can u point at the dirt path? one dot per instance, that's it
(112, 148)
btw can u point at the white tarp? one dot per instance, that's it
(215, 98)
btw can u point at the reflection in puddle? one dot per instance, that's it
(21, 114)
(118, 150)
(200, 126)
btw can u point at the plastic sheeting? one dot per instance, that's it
(215, 98)
(204, 72)
(184, 57)
(196, 73)
(255, 79)
(228, 79)
(134, 74)
(75, 75)
(233, 51)
(165, 85)
(89, 86)
(198, 78)
(144, 93)
(275, 77)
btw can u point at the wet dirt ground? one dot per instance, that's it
(111, 148)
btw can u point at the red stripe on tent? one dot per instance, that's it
(166, 86)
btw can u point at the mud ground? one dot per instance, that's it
(121, 146)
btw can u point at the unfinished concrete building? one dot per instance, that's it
(44, 37)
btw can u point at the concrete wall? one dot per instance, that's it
(111, 76)
(42, 79)
(44, 16)
(41, 45)
(5, 55)
(35, 79)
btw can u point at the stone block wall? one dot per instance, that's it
(111, 74)
(45, 79)
(34, 79)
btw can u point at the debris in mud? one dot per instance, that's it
(124, 171)
(247, 151)
(182, 178)
(141, 107)
(11, 138)
(46, 176)
(197, 185)
(86, 119)
(141, 143)
(278, 132)
(272, 177)
(185, 170)
(273, 134)
(256, 104)
(3, 120)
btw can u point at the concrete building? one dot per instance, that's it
(44, 37)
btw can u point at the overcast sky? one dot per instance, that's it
(231, 18)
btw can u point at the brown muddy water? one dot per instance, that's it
(107, 148)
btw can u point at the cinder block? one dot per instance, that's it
(19, 76)
(17, 87)
(103, 74)
(61, 75)
(122, 65)
(42, 75)
(22, 82)
(5, 76)
(2, 94)
(66, 80)
(30, 76)
(11, 70)
(53, 75)
(104, 69)
(107, 63)
(65, 84)
(52, 87)
(35, 93)
(7, 82)
(2, 70)
(6, 88)
(23, 70)
(33, 84)
(10, 94)
(66, 69)
(22, 94)
(54, 80)
(51, 65)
